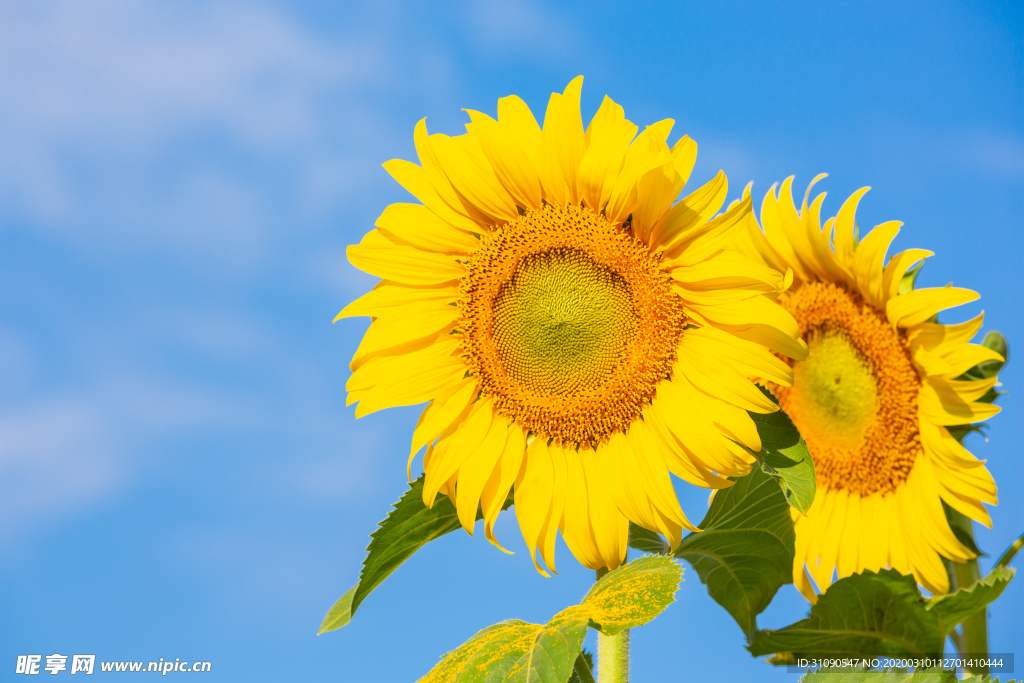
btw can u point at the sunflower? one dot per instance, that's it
(874, 397)
(578, 336)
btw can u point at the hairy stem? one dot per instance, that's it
(612, 653)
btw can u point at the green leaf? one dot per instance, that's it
(633, 594)
(519, 652)
(408, 527)
(878, 614)
(784, 456)
(340, 613)
(582, 668)
(953, 608)
(864, 614)
(1007, 556)
(745, 552)
(516, 652)
(646, 541)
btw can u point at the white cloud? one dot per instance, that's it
(139, 69)
(128, 124)
(993, 152)
(520, 26)
(67, 452)
(53, 458)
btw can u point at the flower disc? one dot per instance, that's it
(854, 398)
(570, 323)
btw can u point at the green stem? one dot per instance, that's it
(973, 639)
(612, 653)
(974, 629)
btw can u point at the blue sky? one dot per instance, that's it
(179, 475)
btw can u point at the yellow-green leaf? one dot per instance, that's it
(517, 652)
(633, 594)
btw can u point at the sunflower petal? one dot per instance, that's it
(919, 305)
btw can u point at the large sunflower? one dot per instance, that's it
(578, 336)
(874, 397)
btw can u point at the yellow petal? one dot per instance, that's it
(844, 228)
(601, 163)
(548, 532)
(458, 443)
(445, 410)
(396, 371)
(511, 164)
(515, 116)
(831, 541)
(472, 176)
(611, 527)
(436, 174)
(623, 198)
(729, 269)
(564, 139)
(415, 179)
(608, 115)
(941, 444)
(576, 527)
(723, 380)
(497, 488)
(747, 357)
(696, 245)
(759, 320)
(944, 402)
(919, 305)
(691, 211)
(392, 332)
(927, 506)
(476, 470)
(898, 558)
(533, 496)
(388, 296)
(418, 226)
(848, 558)
(897, 267)
(967, 356)
(405, 264)
(943, 339)
(819, 531)
(869, 259)
(874, 540)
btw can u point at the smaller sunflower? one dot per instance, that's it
(875, 396)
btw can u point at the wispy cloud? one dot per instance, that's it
(521, 26)
(994, 152)
(131, 119)
(66, 452)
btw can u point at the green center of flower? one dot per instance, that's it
(835, 388)
(562, 322)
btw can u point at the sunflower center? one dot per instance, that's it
(834, 389)
(854, 398)
(562, 323)
(569, 322)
